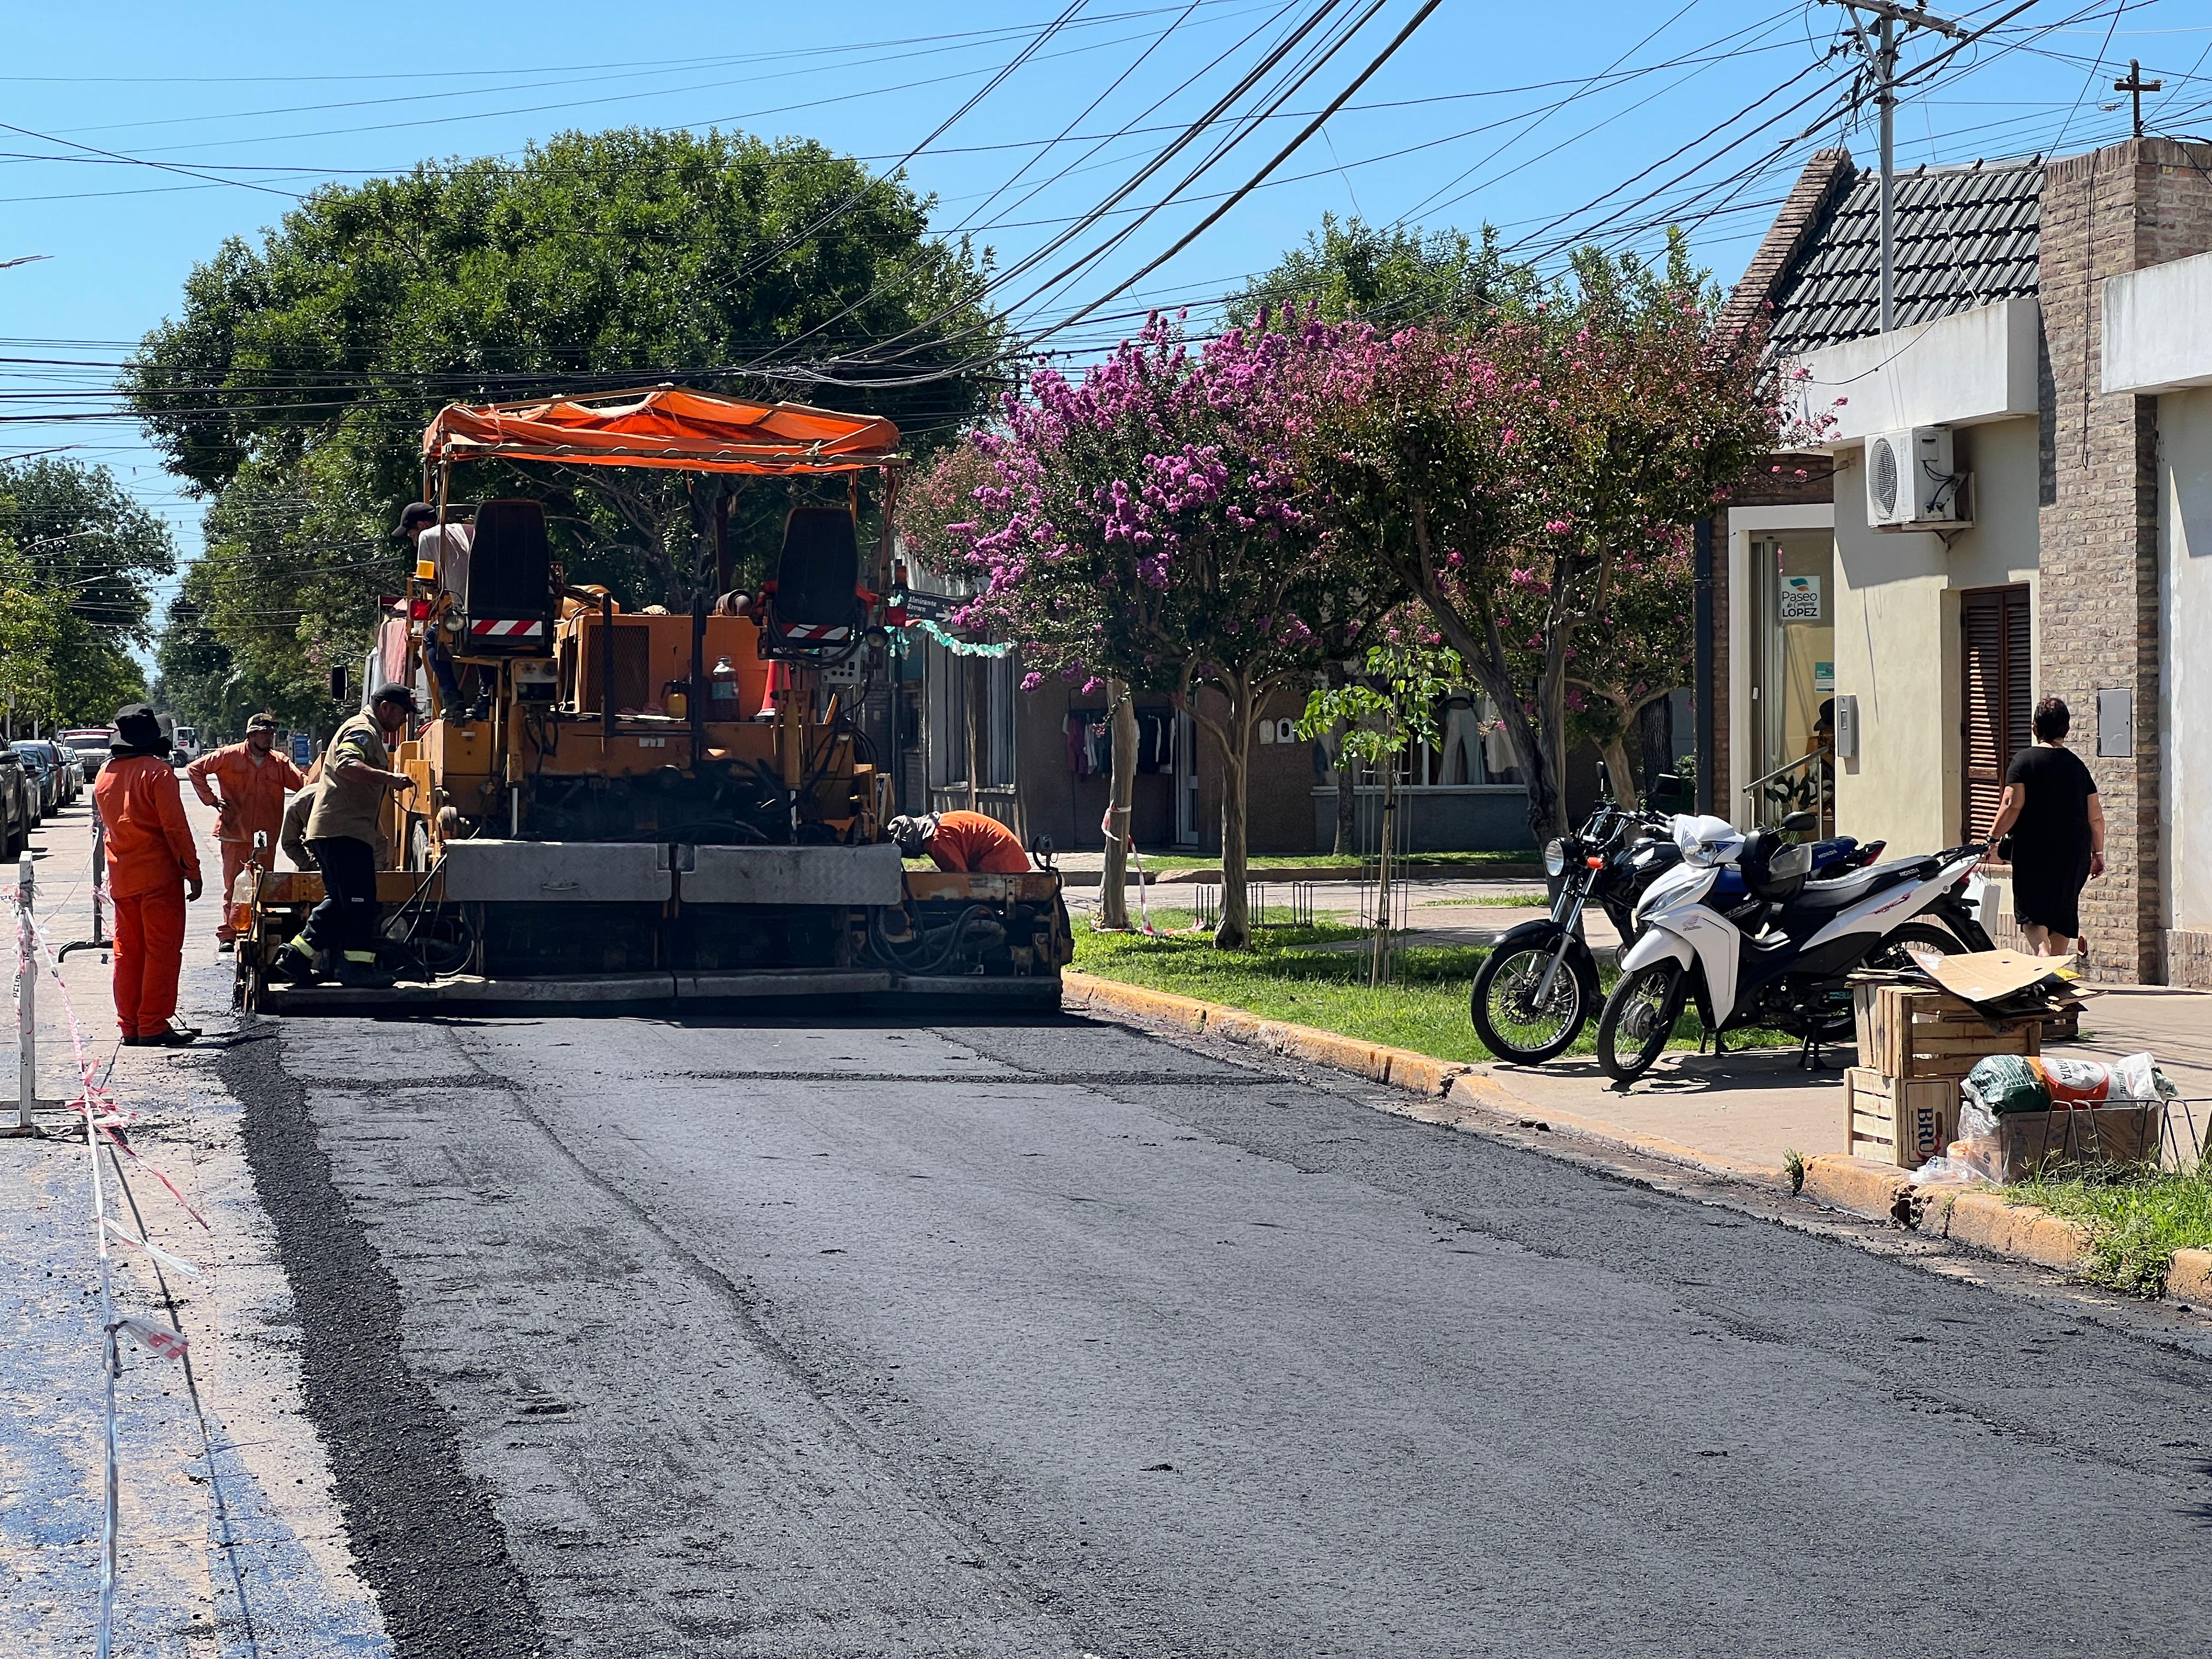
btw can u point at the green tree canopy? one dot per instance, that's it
(86, 553)
(1349, 270)
(294, 387)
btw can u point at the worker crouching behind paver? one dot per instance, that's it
(345, 830)
(153, 869)
(254, 780)
(961, 841)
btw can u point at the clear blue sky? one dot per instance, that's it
(1516, 114)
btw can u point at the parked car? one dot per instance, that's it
(184, 746)
(18, 804)
(91, 743)
(46, 785)
(68, 770)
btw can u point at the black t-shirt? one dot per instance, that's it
(2054, 820)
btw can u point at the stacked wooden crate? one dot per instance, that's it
(1916, 1044)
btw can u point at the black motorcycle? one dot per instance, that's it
(1538, 986)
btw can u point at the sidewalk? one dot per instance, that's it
(1750, 1107)
(230, 1541)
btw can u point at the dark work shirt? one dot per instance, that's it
(2053, 826)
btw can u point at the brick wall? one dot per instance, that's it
(2118, 209)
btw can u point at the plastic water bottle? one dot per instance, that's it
(722, 691)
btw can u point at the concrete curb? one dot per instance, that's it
(2190, 1278)
(1454, 1095)
(1965, 1215)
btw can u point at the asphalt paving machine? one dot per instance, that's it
(618, 807)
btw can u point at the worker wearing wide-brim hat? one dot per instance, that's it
(345, 829)
(153, 869)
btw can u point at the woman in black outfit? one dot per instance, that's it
(2057, 826)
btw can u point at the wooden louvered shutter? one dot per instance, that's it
(1999, 698)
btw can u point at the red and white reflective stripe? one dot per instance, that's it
(506, 630)
(815, 631)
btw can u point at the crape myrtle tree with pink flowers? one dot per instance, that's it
(1528, 476)
(1150, 524)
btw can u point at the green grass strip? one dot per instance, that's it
(2137, 1218)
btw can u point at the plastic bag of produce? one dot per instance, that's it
(2007, 1083)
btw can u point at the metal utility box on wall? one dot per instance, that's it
(1847, 728)
(1912, 482)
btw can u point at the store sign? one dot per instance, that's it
(1800, 599)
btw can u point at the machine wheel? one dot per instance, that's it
(1505, 1013)
(1638, 1018)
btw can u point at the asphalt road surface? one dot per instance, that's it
(632, 1338)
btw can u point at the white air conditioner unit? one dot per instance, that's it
(1910, 480)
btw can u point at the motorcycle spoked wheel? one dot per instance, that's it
(1506, 1015)
(1638, 1018)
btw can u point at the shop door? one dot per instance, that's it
(1999, 698)
(1794, 676)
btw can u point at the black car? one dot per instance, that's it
(19, 813)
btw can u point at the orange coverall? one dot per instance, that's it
(253, 803)
(969, 840)
(150, 856)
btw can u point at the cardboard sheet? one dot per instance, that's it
(1986, 977)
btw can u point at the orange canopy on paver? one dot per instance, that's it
(665, 427)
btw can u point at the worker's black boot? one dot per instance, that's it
(358, 971)
(294, 964)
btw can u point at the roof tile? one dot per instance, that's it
(1966, 237)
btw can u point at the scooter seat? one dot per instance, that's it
(1825, 898)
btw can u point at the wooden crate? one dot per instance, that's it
(1913, 1032)
(1905, 1122)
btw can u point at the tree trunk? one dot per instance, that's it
(1378, 970)
(1347, 842)
(1234, 932)
(977, 670)
(1121, 833)
(1617, 768)
(1484, 652)
(1347, 801)
(1655, 740)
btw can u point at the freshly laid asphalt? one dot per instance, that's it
(831, 1337)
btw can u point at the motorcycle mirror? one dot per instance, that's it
(1667, 793)
(1604, 782)
(1802, 823)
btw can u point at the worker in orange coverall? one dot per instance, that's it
(961, 841)
(153, 868)
(255, 780)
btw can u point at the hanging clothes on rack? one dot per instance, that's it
(1155, 740)
(1497, 749)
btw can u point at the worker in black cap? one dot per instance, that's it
(343, 832)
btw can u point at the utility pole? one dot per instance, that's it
(2135, 86)
(1881, 54)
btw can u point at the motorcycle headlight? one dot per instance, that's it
(1555, 858)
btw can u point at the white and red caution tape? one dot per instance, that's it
(97, 1107)
(1106, 827)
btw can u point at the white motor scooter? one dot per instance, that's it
(1779, 957)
